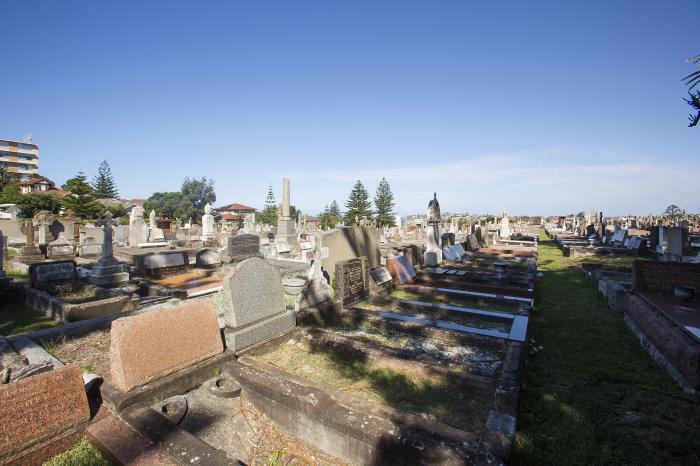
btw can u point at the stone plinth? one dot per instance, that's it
(149, 346)
(109, 276)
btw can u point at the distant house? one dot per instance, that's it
(233, 211)
(41, 186)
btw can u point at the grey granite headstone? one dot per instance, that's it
(90, 248)
(253, 304)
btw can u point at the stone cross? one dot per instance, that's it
(107, 251)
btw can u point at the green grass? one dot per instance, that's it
(83, 453)
(17, 318)
(592, 395)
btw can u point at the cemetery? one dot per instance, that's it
(214, 344)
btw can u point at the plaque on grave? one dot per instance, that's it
(380, 275)
(351, 282)
(244, 246)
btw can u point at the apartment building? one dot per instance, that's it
(19, 157)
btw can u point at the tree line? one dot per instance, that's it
(359, 205)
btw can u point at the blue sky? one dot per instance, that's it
(534, 107)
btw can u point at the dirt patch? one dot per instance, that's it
(91, 351)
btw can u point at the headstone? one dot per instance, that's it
(38, 411)
(152, 220)
(54, 276)
(253, 304)
(351, 280)
(89, 248)
(206, 258)
(60, 249)
(207, 222)
(619, 237)
(504, 230)
(473, 242)
(29, 253)
(401, 269)
(156, 235)
(165, 264)
(241, 247)
(380, 275)
(433, 252)
(108, 272)
(162, 341)
(286, 230)
(138, 230)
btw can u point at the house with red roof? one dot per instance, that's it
(233, 211)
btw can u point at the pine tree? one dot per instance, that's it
(358, 204)
(330, 216)
(269, 214)
(82, 199)
(384, 202)
(103, 184)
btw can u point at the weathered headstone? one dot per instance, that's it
(433, 252)
(207, 222)
(156, 235)
(138, 230)
(352, 280)
(165, 264)
(148, 346)
(401, 269)
(206, 258)
(108, 272)
(54, 276)
(89, 248)
(29, 253)
(38, 411)
(241, 247)
(253, 304)
(60, 249)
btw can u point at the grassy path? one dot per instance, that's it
(591, 394)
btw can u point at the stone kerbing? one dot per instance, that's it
(167, 339)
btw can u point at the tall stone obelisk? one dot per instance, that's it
(285, 224)
(433, 252)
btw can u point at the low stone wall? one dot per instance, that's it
(54, 307)
(664, 276)
(680, 350)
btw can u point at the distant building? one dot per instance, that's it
(18, 157)
(41, 186)
(233, 211)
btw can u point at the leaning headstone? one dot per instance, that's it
(206, 258)
(148, 346)
(380, 275)
(39, 411)
(241, 247)
(253, 304)
(54, 276)
(401, 269)
(352, 280)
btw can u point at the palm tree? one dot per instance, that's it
(692, 80)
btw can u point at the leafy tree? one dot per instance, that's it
(268, 215)
(384, 203)
(10, 194)
(103, 184)
(30, 204)
(293, 212)
(692, 80)
(673, 212)
(168, 205)
(82, 198)
(7, 178)
(358, 204)
(198, 193)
